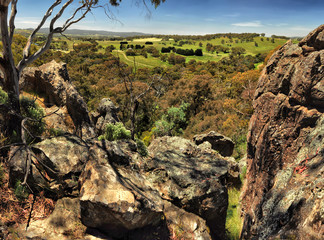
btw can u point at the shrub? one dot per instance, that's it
(30, 109)
(3, 96)
(21, 192)
(130, 52)
(173, 122)
(141, 148)
(115, 132)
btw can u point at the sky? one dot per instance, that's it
(193, 17)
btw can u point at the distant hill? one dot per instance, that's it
(79, 32)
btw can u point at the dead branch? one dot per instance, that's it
(12, 19)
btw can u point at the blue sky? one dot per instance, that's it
(280, 17)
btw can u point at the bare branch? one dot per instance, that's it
(58, 15)
(40, 25)
(12, 19)
(67, 22)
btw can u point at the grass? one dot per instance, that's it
(233, 218)
(263, 47)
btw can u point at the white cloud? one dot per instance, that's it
(248, 24)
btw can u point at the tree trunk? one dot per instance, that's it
(11, 78)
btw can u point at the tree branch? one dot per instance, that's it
(23, 63)
(12, 19)
(58, 15)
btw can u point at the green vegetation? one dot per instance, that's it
(3, 96)
(212, 47)
(217, 86)
(35, 115)
(21, 192)
(233, 218)
(141, 147)
(115, 132)
(173, 122)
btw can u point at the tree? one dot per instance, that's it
(238, 50)
(11, 70)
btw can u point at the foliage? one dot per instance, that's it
(30, 109)
(55, 132)
(173, 122)
(115, 132)
(21, 192)
(141, 147)
(3, 96)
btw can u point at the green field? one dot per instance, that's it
(264, 45)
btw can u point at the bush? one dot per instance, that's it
(130, 52)
(141, 148)
(115, 132)
(3, 96)
(30, 109)
(21, 192)
(172, 123)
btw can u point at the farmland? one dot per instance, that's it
(143, 58)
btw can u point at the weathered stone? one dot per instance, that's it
(107, 113)
(184, 225)
(64, 223)
(190, 178)
(57, 164)
(52, 81)
(314, 39)
(116, 200)
(219, 142)
(283, 191)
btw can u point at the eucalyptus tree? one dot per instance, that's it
(56, 11)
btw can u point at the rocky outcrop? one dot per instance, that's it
(57, 164)
(219, 142)
(106, 113)
(190, 178)
(52, 82)
(284, 187)
(115, 199)
(179, 191)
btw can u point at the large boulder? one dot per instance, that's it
(219, 142)
(113, 198)
(285, 163)
(179, 191)
(52, 82)
(191, 178)
(126, 195)
(56, 164)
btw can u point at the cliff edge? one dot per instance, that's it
(283, 191)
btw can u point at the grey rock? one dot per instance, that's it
(219, 142)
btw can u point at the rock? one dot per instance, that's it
(283, 191)
(116, 200)
(184, 225)
(107, 113)
(57, 164)
(220, 143)
(60, 122)
(63, 223)
(190, 178)
(314, 39)
(179, 191)
(52, 81)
